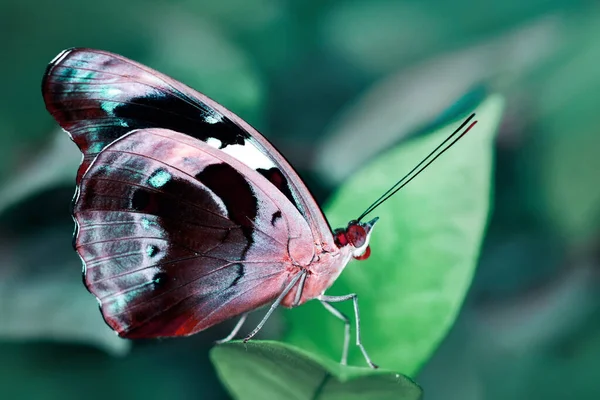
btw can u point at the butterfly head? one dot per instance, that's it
(357, 235)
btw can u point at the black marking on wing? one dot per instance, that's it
(240, 272)
(276, 215)
(152, 251)
(160, 279)
(179, 265)
(235, 193)
(140, 201)
(275, 176)
(99, 97)
(152, 200)
(181, 114)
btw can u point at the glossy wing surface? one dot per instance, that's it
(98, 97)
(177, 236)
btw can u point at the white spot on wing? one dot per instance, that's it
(214, 142)
(213, 117)
(112, 92)
(249, 155)
(159, 178)
(109, 106)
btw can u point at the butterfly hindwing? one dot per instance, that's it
(99, 97)
(177, 236)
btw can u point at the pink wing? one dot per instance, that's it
(177, 236)
(98, 97)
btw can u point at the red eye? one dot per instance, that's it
(340, 238)
(364, 255)
(356, 235)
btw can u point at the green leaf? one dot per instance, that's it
(421, 97)
(380, 35)
(424, 249)
(272, 370)
(561, 161)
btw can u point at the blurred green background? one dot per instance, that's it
(331, 84)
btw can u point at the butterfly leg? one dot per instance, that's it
(354, 298)
(276, 304)
(337, 313)
(235, 330)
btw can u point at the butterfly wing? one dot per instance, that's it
(98, 97)
(177, 236)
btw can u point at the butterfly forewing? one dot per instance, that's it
(99, 97)
(177, 236)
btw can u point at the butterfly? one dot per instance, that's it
(186, 216)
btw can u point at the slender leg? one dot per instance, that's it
(354, 298)
(275, 304)
(346, 321)
(235, 330)
(299, 291)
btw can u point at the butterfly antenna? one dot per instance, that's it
(431, 157)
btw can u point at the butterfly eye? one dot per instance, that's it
(340, 238)
(357, 235)
(364, 255)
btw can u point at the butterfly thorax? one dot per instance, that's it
(351, 242)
